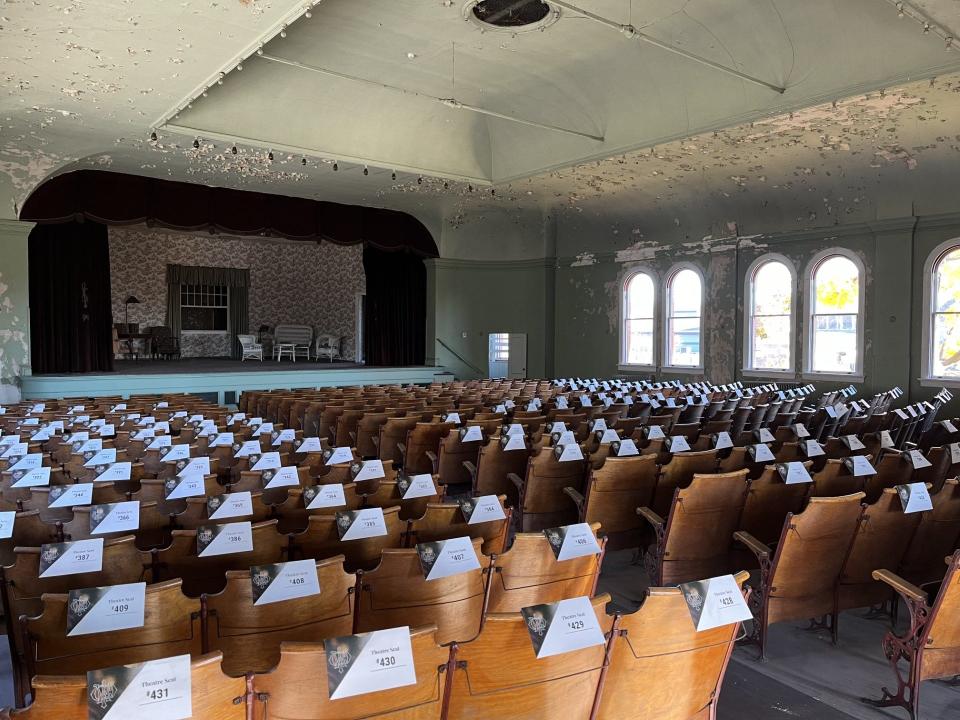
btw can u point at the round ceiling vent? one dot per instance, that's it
(511, 16)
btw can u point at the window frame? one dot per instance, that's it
(930, 265)
(748, 283)
(808, 308)
(675, 270)
(225, 332)
(625, 280)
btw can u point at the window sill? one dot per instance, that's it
(940, 382)
(627, 367)
(682, 370)
(750, 372)
(839, 377)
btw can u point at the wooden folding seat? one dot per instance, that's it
(769, 501)
(691, 431)
(292, 513)
(659, 641)
(419, 449)
(490, 475)
(387, 494)
(931, 644)
(454, 452)
(395, 593)
(937, 535)
(498, 675)
(678, 473)
(892, 469)
(835, 480)
(798, 579)
(154, 529)
(612, 494)
(196, 513)
(321, 540)
(442, 521)
(29, 530)
(252, 481)
(249, 636)
(213, 695)
(941, 468)
(298, 687)
(207, 574)
(882, 538)
(393, 433)
(152, 490)
(171, 627)
(542, 501)
(694, 541)
(530, 574)
(11, 497)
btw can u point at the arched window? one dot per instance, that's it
(942, 304)
(769, 336)
(835, 327)
(684, 310)
(637, 319)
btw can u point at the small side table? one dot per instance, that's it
(282, 348)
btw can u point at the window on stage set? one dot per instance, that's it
(835, 311)
(941, 332)
(769, 338)
(637, 320)
(684, 331)
(204, 308)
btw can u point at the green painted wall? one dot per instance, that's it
(14, 308)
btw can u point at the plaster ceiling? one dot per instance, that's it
(85, 81)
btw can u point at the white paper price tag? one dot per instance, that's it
(715, 602)
(160, 441)
(116, 472)
(230, 505)
(265, 429)
(762, 453)
(115, 517)
(859, 466)
(17, 449)
(624, 448)
(280, 477)
(417, 486)
(267, 461)
(444, 558)
(76, 495)
(175, 452)
(568, 453)
(655, 432)
(338, 456)
(224, 539)
(196, 466)
(249, 447)
(515, 429)
(31, 478)
(917, 460)
(28, 462)
(678, 443)
(154, 690)
(359, 664)
(954, 453)
(287, 435)
(224, 439)
(71, 558)
(793, 473)
(359, 524)
(106, 456)
(368, 470)
(7, 520)
(914, 497)
(514, 442)
(608, 437)
(102, 609)
(472, 433)
(562, 627)
(309, 445)
(324, 496)
(184, 486)
(764, 435)
(284, 581)
(572, 541)
(481, 509)
(800, 430)
(722, 441)
(812, 448)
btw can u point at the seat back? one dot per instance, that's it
(296, 334)
(392, 432)
(835, 480)
(769, 500)
(298, 687)
(937, 535)
(892, 470)
(442, 521)
(498, 675)
(321, 540)
(543, 502)
(494, 464)
(421, 439)
(250, 635)
(660, 641)
(396, 593)
(453, 453)
(529, 574)
(614, 492)
(941, 637)
(678, 473)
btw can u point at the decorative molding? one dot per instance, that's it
(495, 265)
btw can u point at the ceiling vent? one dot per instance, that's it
(511, 16)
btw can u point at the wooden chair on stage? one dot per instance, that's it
(613, 492)
(543, 502)
(798, 580)
(213, 695)
(931, 644)
(249, 636)
(660, 641)
(530, 574)
(298, 687)
(695, 540)
(442, 521)
(498, 676)
(171, 627)
(395, 593)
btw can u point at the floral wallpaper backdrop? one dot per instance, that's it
(291, 282)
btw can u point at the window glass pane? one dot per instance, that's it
(639, 342)
(640, 296)
(835, 343)
(771, 343)
(685, 294)
(772, 289)
(683, 340)
(948, 282)
(836, 287)
(946, 344)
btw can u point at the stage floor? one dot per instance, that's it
(219, 378)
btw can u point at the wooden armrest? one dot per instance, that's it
(757, 547)
(650, 516)
(432, 456)
(908, 590)
(516, 480)
(471, 468)
(575, 496)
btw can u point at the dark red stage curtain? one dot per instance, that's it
(71, 321)
(395, 313)
(120, 199)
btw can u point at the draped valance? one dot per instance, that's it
(200, 275)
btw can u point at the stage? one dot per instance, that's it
(220, 378)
